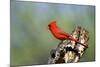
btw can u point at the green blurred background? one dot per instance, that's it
(31, 41)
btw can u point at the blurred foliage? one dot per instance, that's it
(31, 40)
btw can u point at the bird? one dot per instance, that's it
(59, 34)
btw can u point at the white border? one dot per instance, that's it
(5, 38)
(83, 2)
(4, 33)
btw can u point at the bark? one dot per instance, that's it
(70, 51)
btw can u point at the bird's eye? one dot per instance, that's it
(49, 25)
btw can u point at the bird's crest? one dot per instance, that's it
(52, 23)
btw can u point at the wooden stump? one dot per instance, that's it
(70, 51)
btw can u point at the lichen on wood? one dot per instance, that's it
(70, 51)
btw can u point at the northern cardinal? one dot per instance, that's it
(59, 34)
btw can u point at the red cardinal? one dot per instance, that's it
(58, 33)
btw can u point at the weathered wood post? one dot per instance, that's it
(70, 51)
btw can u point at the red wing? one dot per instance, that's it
(64, 33)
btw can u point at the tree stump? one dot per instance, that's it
(70, 51)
